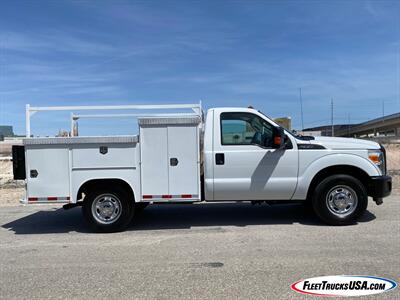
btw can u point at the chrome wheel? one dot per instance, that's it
(342, 200)
(106, 208)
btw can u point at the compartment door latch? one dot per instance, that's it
(173, 161)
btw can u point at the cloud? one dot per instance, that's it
(40, 77)
(52, 42)
(373, 10)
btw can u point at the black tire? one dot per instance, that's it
(307, 205)
(341, 188)
(123, 210)
(140, 206)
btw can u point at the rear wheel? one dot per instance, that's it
(340, 199)
(108, 209)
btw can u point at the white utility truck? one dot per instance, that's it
(231, 154)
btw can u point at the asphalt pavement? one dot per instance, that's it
(202, 251)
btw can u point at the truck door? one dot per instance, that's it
(246, 167)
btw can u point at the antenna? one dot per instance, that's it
(333, 129)
(301, 110)
(348, 124)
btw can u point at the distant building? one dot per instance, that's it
(63, 133)
(285, 122)
(6, 131)
(326, 130)
(387, 126)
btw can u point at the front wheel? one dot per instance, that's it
(340, 199)
(108, 209)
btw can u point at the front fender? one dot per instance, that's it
(330, 160)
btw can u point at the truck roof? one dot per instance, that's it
(232, 109)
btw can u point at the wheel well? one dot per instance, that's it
(104, 183)
(339, 169)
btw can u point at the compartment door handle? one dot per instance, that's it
(173, 161)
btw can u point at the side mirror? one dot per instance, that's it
(279, 138)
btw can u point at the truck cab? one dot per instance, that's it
(233, 154)
(248, 156)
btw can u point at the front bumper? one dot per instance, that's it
(380, 186)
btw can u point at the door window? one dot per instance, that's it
(240, 128)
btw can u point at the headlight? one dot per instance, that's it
(378, 158)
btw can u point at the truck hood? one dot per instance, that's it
(344, 143)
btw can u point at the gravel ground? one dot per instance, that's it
(393, 156)
(202, 251)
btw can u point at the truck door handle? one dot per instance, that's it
(173, 161)
(219, 158)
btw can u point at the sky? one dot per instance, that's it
(224, 53)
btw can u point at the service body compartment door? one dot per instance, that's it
(47, 172)
(154, 162)
(183, 160)
(170, 159)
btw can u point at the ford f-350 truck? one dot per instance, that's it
(231, 154)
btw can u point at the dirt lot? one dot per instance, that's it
(393, 158)
(5, 146)
(11, 191)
